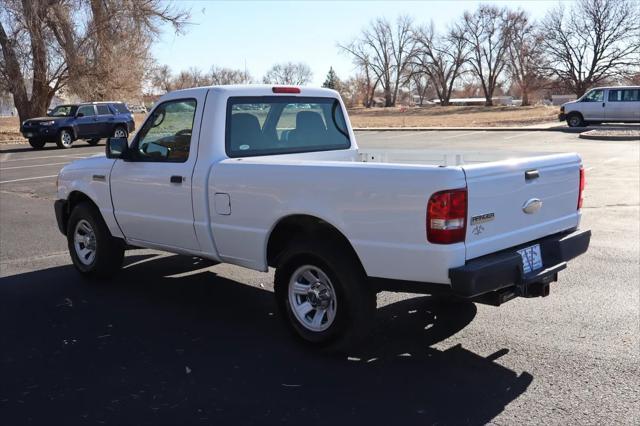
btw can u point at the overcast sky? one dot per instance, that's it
(261, 33)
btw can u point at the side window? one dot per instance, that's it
(631, 95)
(86, 110)
(103, 109)
(166, 135)
(595, 96)
(615, 95)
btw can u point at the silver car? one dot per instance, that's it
(603, 104)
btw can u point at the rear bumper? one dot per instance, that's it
(500, 275)
(60, 207)
(504, 269)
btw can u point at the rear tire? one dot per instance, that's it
(36, 143)
(95, 253)
(336, 282)
(93, 142)
(575, 120)
(65, 139)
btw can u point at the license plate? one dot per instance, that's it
(28, 135)
(531, 258)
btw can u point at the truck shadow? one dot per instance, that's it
(164, 345)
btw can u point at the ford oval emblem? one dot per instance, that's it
(532, 206)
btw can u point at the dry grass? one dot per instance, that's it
(431, 116)
(452, 116)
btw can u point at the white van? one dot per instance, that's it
(613, 104)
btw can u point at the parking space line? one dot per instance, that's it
(75, 156)
(29, 178)
(518, 135)
(33, 165)
(464, 134)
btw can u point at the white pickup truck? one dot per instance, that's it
(262, 176)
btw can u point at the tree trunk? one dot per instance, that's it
(525, 97)
(388, 102)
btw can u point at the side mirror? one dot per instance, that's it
(117, 148)
(80, 115)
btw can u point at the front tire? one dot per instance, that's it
(575, 120)
(65, 139)
(323, 295)
(95, 253)
(36, 143)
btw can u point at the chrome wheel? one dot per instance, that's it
(312, 298)
(84, 242)
(65, 138)
(120, 133)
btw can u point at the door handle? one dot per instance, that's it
(603, 105)
(176, 179)
(531, 174)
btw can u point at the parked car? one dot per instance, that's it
(603, 104)
(89, 121)
(285, 186)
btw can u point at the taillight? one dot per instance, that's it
(581, 189)
(283, 89)
(447, 216)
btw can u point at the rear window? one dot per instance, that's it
(121, 108)
(284, 125)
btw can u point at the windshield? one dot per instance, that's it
(63, 111)
(284, 125)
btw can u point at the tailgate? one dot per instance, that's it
(514, 202)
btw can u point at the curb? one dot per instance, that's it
(608, 138)
(458, 129)
(559, 128)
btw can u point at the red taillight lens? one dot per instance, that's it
(581, 189)
(285, 89)
(447, 216)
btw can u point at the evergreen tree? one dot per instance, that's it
(332, 81)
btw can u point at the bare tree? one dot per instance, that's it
(94, 48)
(526, 58)
(161, 79)
(486, 32)
(365, 81)
(221, 76)
(288, 73)
(386, 51)
(442, 58)
(596, 41)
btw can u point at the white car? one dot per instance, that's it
(262, 176)
(603, 104)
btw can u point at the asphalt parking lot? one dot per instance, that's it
(175, 340)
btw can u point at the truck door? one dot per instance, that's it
(592, 106)
(151, 191)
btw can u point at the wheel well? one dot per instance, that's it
(292, 227)
(75, 198)
(70, 129)
(575, 113)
